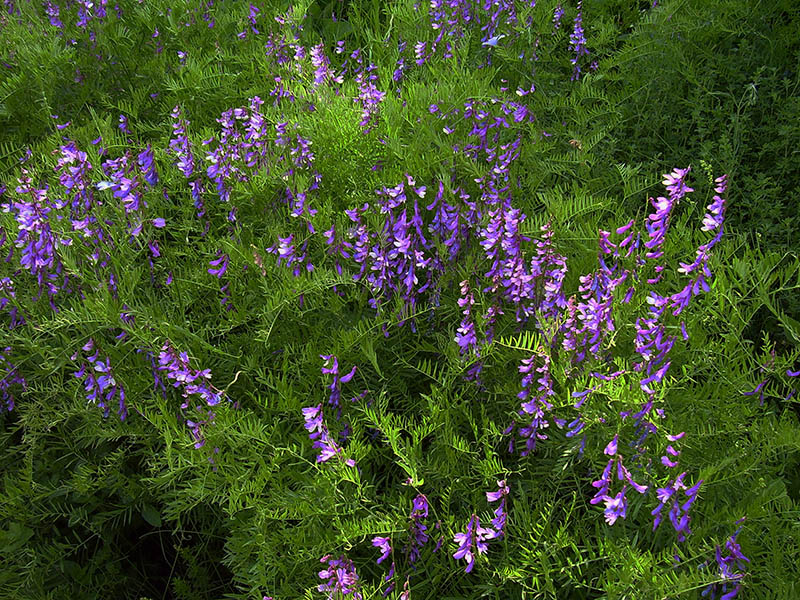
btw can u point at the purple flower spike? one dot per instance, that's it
(418, 530)
(558, 13)
(616, 507)
(340, 578)
(221, 262)
(499, 521)
(146, 163)
(474, 539)
(577, 42)
(383, 544)
(731, 585)
(123, 124)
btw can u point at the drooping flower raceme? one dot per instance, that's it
(99, 381)
(194, 383)
(417, 530)
(731, 585)
(499, 521)
(678, 512)
(465, 335)
(474, 540)
(319, 432)
(577, 42)
(339, 578)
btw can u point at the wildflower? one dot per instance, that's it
(731, 585)
(382, 543)
(616, 507)
(558, 13)
(103, 388)
(474, 539)
(499, 521)
(418, 530)
(678, 513)
(611, 448)
(123, 124)
(492, 41)
(10, 377)
(340, 578)
(147, 166)
(465, 335)
(221, 264)
(577, 42)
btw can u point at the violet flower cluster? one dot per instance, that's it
(473, 542)
(394, 260)
(678, 511)
(465, 334)
(577, 42)
(241, 149)
(369, 97)
(340, 578)
(450, 19)
(558, 14)
(288, 253)
(590, 319)
(417, 537)
(538, 405)
(36, 238)
(193, 382)
(181, 148)
(731, 568)
(74, 171)
(384, 544)
(331, 367)
(8, 297)
(500, 513)
(323, 440)
(616, 505)
(219, 266)
(99, 382)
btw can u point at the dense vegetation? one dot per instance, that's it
(350, 299)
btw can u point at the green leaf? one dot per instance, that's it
(151, 515)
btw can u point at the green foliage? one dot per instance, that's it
(98, 508)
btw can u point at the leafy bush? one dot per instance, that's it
(349, 299)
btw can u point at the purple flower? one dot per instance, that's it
(123, 124)
(558, 13)
(611, 448)
(418, 535)
(678, 513)
(499, 521)
(323, 440)
(146, 165)
(731, 585)
(103, 388)
(465, 334)
(473, 540)
(369, 97)
(537, 405)
(193, 381)
(577, 42)
(340, 578)
(382, 543)
(179, 144)
(492, 41)
(10, 377)
(221, 264)
(616, 507)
